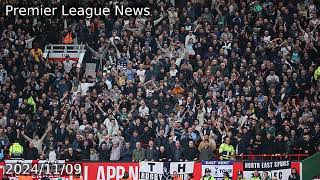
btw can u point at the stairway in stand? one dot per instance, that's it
(90, 70)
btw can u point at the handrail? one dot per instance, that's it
(297, 157)
(293, 157)
(62, 47)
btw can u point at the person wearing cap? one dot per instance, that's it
(207, 175)
(226, 150)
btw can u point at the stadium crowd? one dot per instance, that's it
(196, 80)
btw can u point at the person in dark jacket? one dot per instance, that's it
(151, 152)
(178, 152)
(161, 140)
(294, 174)
(85, 151)
(280, 145)
(241, 147)
(268, 144)
(257, 145)
(191, 152)
(206, 153)
(306, 145)
(126, 153)
(31, 153)
(104, 152)
(71, 155)
(163, 155)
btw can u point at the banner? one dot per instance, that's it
(164, 170)
(109, 171)
(218, 168)
(279, 169)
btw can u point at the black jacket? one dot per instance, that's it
(31, 154)
(191, 153)
(151, 154)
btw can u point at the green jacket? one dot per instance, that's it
(316, 74)
(255, 178)
(139, 155)
(208, 178)
(15, 149)
(226, 151)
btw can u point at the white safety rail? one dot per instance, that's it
(61, 52)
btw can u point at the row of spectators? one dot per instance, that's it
(194, 78)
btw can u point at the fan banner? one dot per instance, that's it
(279, 169)
(218, 168)
(164, 170)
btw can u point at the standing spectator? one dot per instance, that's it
(138, 153)
(38, 143)
(164, 155)
(226, 150)
(70, 155)
(31, 153)
(126, 153)
(52, 154)
(94, 155)
(151, 152)
(4, 140)
(104, 152)
(115, 151)
(206, 151)
(294, 174)
(178, 152)
(16, 150)
(191, 153)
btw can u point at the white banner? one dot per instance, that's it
(151, 170)
(164, 170)
(181, 167)
(279, 169)
(218, 168)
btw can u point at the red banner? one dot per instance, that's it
(109, 171)
(114, 171)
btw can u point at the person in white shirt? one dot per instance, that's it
(141, 73)
(143, 109)
(67, 65)
(190, 36)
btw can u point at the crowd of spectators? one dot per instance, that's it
(196, 80)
